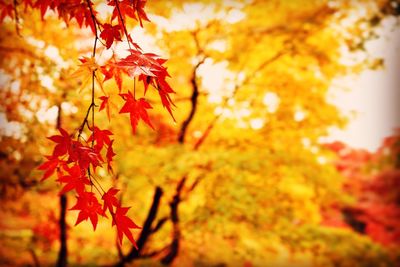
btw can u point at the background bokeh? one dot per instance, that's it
(290, 157)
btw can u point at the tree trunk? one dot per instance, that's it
(176, 231)
(63, 253)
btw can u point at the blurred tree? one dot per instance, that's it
(372, 178)
(241, 179)
(275, 100)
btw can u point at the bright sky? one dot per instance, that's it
(373, 97)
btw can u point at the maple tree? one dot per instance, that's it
(74, 159)
(373, 179)
(237, 178)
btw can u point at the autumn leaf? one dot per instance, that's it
(85, 72)
(6, 10)
(84, 155)
(137, 110)
(111, 70)
(105, 104)
(109, 155)
(137, 64)
(124, 225)
(108, 105)
(63, 143)
(130, 8)
(110, 200)
(139, 7)
(87, 156)
(50, 166)
(43, 6)
(82, 15)
(110, 33)
(75, 180)
(89, 208)
(126, 9)
(101, 137)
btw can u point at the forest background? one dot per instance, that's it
(248, 170)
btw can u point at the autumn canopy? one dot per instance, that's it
(190, 133)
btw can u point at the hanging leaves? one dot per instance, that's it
(105, 105)
(50, 166)
(129, 8)
(85, 72)
(89, 208)
(124, 224)
(111, 33)
(63, 142)
(75, 180)
(137, 110)
(75, 159)
(110, 200)
(150, 70)
(110, 70)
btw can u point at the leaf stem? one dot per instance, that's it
(92, 105)
(15, 3)
(123, 23)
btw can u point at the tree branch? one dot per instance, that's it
(176, 231)
(193, 100)
(15, 3)
(34, 257)
(194, 97)
(123, 23)
(159, 224)
(146, 231)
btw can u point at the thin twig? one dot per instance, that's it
(123, 23)
(15, 3)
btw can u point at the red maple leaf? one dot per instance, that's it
(111, 70)
(50, 166)
(138, 63)
(110, 200)
(75, 180)
(124, 223)
(129, 8)
(137, 110)
(104, 104)
(125, 8)
(88, 156)
(84, 155)
(139, 7)
(6, 10)
(83, 15)
(101, 137)
(110, 33)
(109, 155)
(149, 68)
(43, 6)
(63, 143)
(89, 208)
